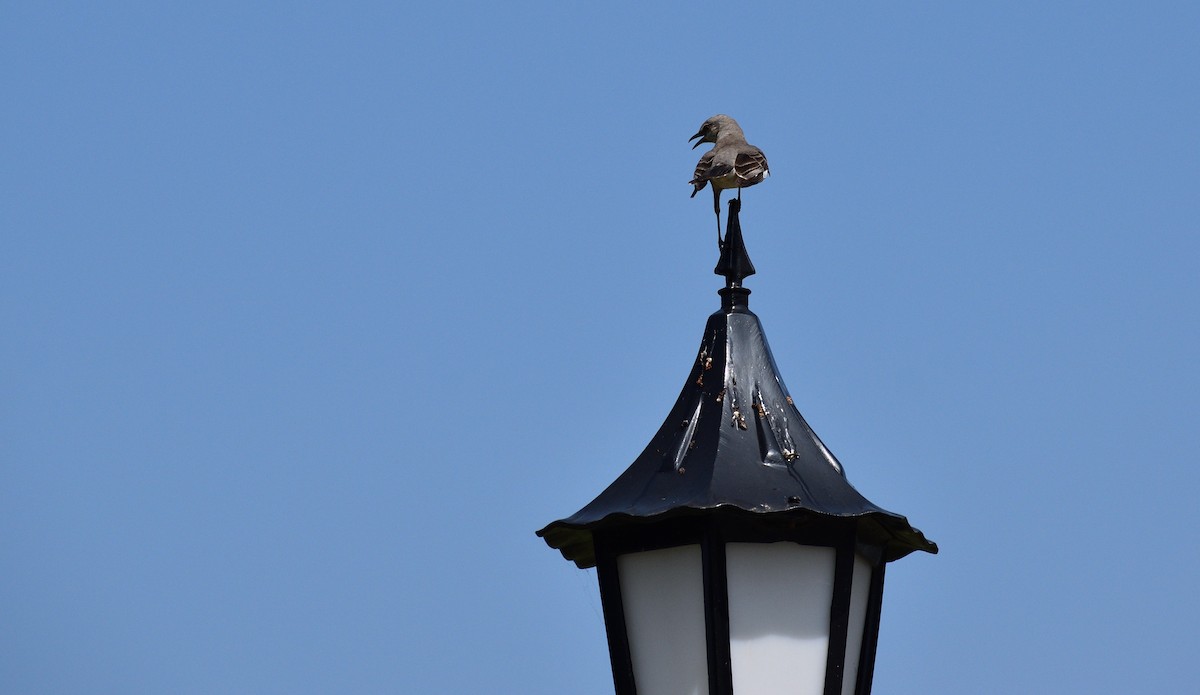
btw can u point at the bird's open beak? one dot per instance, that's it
(700, 134)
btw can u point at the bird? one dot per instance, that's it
(731, 163)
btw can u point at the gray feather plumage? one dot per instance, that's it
(732, 162)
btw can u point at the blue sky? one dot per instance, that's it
(315, 312)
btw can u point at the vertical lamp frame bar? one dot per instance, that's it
(839, 616)
(716, 613)
(866, 660)
(613, 606)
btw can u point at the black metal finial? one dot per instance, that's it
(735, 262)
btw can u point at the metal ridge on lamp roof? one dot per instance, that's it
(734, 443)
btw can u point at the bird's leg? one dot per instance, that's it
(717, 210)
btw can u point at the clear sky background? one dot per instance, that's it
(314, 312)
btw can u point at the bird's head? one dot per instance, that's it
(713, 127)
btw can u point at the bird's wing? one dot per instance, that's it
(703, 172)
(751, 164)
(702, 168)
(717, 170)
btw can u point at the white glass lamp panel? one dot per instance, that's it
(859, 591)
(663, 595)
(779, 602)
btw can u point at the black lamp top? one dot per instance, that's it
(733, 443)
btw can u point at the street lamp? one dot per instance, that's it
(733, 556)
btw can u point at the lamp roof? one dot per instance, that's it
(733, 443)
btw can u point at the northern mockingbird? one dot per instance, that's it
(732, 163)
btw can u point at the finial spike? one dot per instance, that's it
(735, 262)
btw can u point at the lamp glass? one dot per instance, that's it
(779, 604)
(858, 622)
(662, 592)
